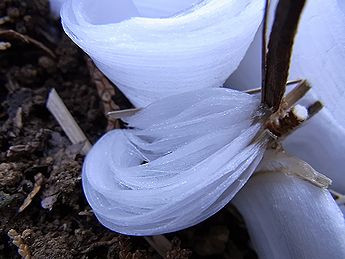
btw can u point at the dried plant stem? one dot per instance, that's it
(119, 114)
(293, 82)
(279, 51)
(56, 106)
(11, 34)
(123, 113)
(296, 94)
(314, 108)
(129, 112)
(264, 43)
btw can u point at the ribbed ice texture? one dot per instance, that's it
(183, 159)
(318, 56)
(288, 217)
(163, 8)
(151, 58)
(321, 142)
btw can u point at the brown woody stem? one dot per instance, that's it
(279, 52)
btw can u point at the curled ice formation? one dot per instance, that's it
(197, 44)
(182, 159)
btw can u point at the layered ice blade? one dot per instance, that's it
(148, 182)
(151, 58)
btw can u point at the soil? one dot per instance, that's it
(41, 198)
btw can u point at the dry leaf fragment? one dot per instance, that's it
(59, 110)
(32, 194)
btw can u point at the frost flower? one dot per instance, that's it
(185, 156)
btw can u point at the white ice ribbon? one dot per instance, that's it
(151, 58)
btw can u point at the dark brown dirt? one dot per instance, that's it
(58, 223)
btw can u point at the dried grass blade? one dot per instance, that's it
(122, 113)
(56, 106)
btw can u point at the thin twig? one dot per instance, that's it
(55, 105)
(293, 82)
(119, 114)
(279, 52)
(11, 34)
(314, 109)
(160, 243)
(258, 89)
(123, 113)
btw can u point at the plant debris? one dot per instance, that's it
(106, 92)
(32, 194)
(17, 240)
